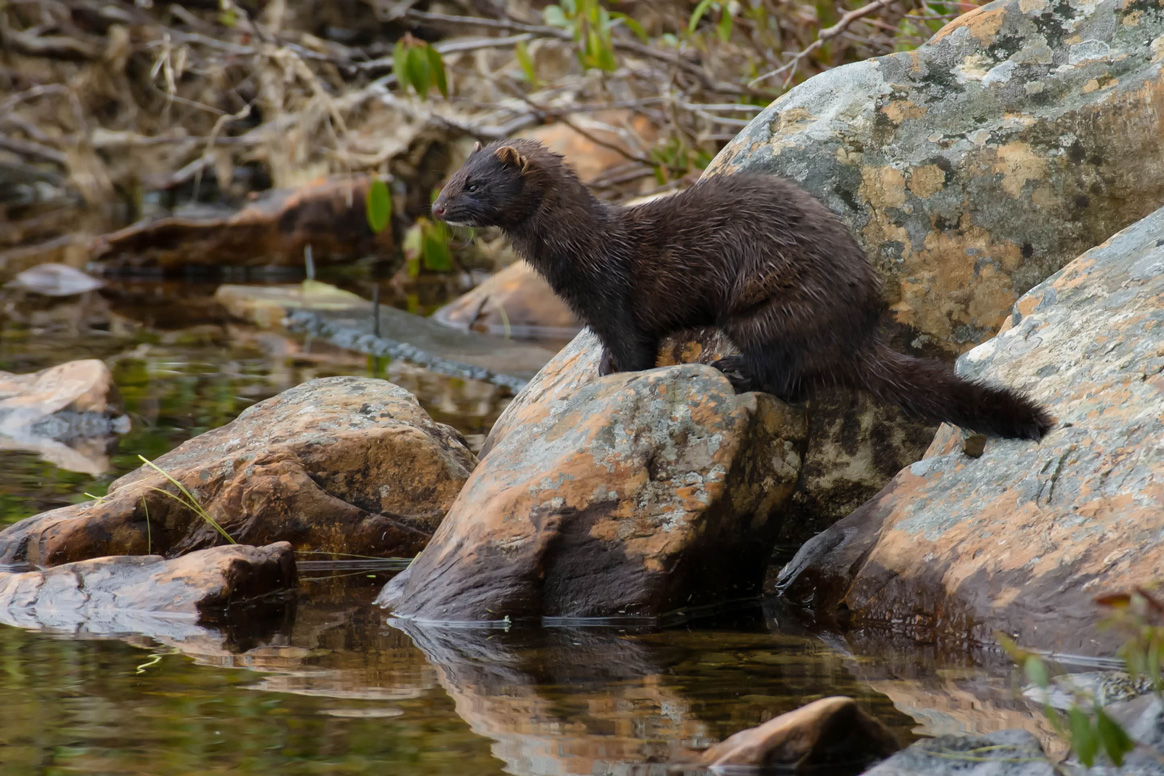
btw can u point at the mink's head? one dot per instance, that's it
(501, 184)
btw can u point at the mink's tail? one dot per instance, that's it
(930, 389)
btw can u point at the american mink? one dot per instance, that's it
(753, 255)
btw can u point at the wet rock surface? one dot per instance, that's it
(147, 594)
(830, 731)
(1022, 538)
(75, 399)
(515, 300)
(975, 166)
(344, 464)
(639, 493)
(330, 216)
(423, 342)
(1005, 753)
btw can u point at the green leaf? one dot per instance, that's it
(437, 66)
(228, 18)
(697, 14)
(1083, 739)
(378, 206)
(400, 64)
(418, 71)
(725, 25)
(633, 26)
(526, 62)
(1116, 742)
(555, 17)
(1036, 671)
(436, 249)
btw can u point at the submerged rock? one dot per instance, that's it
(830, 731)
(54, 279)
(345, 464)
(146, 594)
(639, 493)
(973, 167)
(1022, 538)
(1005, 753)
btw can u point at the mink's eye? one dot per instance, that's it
(472, 187)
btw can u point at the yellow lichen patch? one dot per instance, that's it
(1018, 163)
(882, 187)
(927, 180)
(900, 110)
(1032, 6)
(1043, 197)
(1090, 86)
(1132, 19)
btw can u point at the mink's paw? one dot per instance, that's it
(606, 364)
(735, 369)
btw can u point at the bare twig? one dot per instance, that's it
(823, 37)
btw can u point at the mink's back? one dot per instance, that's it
(734, 244)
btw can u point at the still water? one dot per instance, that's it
(328, 684)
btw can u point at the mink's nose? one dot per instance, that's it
(438, 209)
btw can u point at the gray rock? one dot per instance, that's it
(1005, 753)
(1021, 134)
(1019, 539)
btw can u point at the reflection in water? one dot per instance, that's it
(332, 686)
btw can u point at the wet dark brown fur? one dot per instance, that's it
(754, 255)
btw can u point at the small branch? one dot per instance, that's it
(823, 37)
(29, 149)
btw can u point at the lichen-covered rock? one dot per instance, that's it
(972, 168)
(638, 493)
(1022, 538)
(515, 300)
(150, 594)
(343, 464)
(830, 731)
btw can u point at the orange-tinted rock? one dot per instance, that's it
(514, 301)
(827, 731)
(344, 464)
(1022, 538)
(638, 493)
(147, 594)
(977, 165)
(273, 231)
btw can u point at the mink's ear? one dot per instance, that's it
(511, 157)
(477, 147)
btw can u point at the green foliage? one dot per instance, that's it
(592, 26)
(426, 246)
(675, 157)
(186, 499)
(723, 29)
(1087, 727)
(378, 206)
(526, 63)
(417, 65)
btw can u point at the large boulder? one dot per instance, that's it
(638, 493)
(152, 595)
(1005, 753)
(345, 464)
(972, 168)
(1022, 538)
